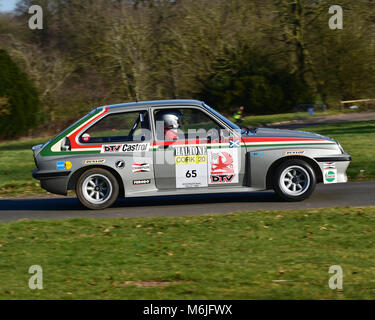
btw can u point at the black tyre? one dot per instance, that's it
(97, 189)
(294, 180)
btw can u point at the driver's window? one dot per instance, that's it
(118, 127)
(185, 123)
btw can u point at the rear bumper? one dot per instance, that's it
(54, 182)
(49, 175)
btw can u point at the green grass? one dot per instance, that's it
(261, 120)
(254, 121)
(358, 139)
(249, 255)
(16, 165)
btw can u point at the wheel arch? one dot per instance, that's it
(75, 176)
(314, 165)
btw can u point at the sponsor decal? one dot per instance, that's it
(86, 137)
(222, 178)
(191, 166)
(190, 151)
(120, 164)
(223, 166)
(141, 167)
(68, 165)
(127, 147)
(61, 165)
(64, 165)
(234, 143)
(330, 176)
(294, 153)
(257, 154)
(329, 165)
(198, 159)
(141, 182)
(93, 161)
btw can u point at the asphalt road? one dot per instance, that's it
(349, 194)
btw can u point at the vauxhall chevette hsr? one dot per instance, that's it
(178, 147)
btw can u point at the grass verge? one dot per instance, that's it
(261, 120)
(16, 166)
(249, 255)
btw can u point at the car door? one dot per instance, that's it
(204, 154)
(125, 139)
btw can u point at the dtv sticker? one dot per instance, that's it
(223, 166)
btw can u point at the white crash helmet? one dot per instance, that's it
(171, 119)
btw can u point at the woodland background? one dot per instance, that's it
(267, 55)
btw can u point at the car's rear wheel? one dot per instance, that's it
(294, 180)
(97, 189)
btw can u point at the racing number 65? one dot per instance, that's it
(193, 174)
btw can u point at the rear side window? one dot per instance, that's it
(119, 127)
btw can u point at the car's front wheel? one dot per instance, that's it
(97, 189)
(294, 180)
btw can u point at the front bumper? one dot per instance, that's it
(335, 158)
(337, 163)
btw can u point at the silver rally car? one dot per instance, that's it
(181, 147)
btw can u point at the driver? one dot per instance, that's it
(172, 121)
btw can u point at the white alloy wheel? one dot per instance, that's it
(294, 180)
(97, 189)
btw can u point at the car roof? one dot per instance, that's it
(155, 103)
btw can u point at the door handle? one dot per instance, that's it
(163, 147)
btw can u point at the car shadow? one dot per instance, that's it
(43, 204)
(72, 204)
(197, 199)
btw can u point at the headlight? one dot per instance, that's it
(340, 147)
